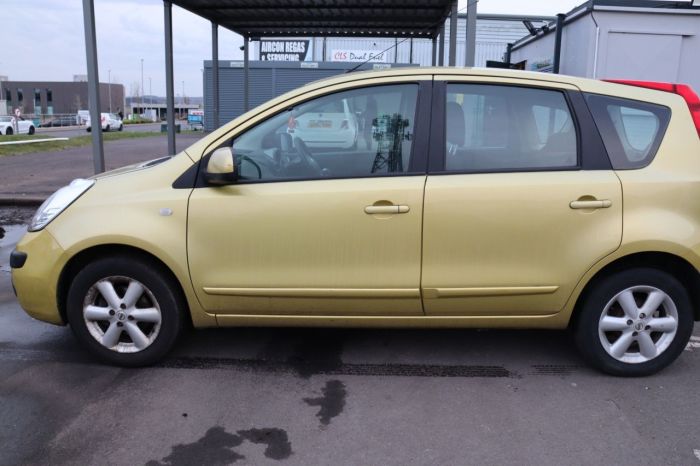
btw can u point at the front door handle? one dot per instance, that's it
(592, 204)
(386, 209)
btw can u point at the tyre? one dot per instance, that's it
(121, 127)
(31, 130)
(88, 129)
(125, 311)
(107, 129)
(9, 132)
(634, 322)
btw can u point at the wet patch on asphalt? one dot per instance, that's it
(216, 447)
(307, 352)
(554, 369)
(388, 370)
(332, 402)
(10, 215)
(14, 352)
(318, 353)
(277, 444)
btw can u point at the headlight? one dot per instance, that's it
(58, 202)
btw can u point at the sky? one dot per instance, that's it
(43, 40)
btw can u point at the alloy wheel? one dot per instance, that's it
(638, 324)
(122, 314)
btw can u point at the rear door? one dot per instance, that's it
(520, 200)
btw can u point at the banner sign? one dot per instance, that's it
(370, 56)
(283, 50)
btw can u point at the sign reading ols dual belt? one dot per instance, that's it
(283, 50)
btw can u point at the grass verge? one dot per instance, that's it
(77, 141)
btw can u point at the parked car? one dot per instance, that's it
(496, 199)
(330, 124)
(7, 125)
(59, 122)
(110, 122)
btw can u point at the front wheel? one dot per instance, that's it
(31, 130)
(634, 322)
(121, 127)
(125, 311)
(107, 129)
(8, 132)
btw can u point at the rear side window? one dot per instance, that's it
(631, 130)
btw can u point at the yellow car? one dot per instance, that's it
(471, 198)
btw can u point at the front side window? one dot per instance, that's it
(357, 133)
(500, 128)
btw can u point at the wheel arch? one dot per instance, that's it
(79, 260)
(674, 265)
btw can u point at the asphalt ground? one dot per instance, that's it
(41, 173)
(334, 396)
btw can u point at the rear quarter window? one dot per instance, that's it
(631, 130)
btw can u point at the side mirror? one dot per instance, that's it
(221, 169)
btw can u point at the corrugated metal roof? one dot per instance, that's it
(388, 18)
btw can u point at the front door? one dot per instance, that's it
(514, 217)
(319, 224)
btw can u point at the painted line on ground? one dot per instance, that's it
(32, 141)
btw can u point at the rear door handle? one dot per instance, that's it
(386, 209)
(592, 204)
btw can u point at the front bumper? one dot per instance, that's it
(36, 265)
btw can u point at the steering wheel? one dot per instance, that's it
(305, 153)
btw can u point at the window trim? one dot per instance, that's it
(588, 149)
(418, 159)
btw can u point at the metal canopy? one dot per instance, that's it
(348, 18)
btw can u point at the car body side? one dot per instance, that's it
(661, 215)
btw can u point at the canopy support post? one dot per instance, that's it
(93, 84)
(215, 72)
(169, 80)
(453, 35)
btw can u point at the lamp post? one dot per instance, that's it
(109, 89)
(142, 86)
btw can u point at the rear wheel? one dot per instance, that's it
(9, 132)
(125, 311)
(107, 129)
(31, 130)
(121, 127)
(635, 322)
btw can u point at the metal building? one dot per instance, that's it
(319, 57)
(635, 39)
(493, 34)
(267, 80)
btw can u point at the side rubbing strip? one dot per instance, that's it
(433, 293)
(316, 292)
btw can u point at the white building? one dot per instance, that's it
(635, 39)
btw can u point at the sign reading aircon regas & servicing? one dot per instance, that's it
(283, 50)
(369, 56)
